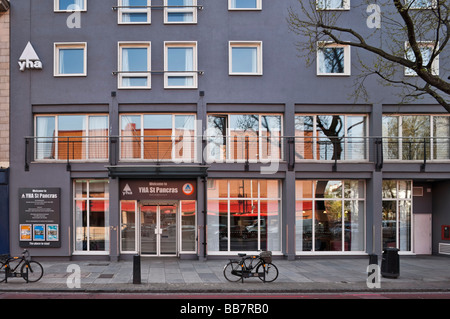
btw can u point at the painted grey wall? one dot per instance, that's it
(287, 86)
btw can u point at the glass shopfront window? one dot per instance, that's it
(91, 205)
(330, 215)
(244, 215)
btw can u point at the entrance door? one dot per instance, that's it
(158, 230)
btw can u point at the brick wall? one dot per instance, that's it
(4, 89)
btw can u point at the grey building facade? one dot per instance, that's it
(196, 131)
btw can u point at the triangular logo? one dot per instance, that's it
(29, 54)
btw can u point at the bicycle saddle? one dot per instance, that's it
(242, 255)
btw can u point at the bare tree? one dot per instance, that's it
(405, 48)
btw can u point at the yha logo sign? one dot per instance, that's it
(29, 59)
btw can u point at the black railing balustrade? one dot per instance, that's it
(238, 148)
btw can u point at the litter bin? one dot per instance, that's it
(390, 263)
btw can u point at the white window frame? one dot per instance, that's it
(69, 45)
(345, 7)
(121, 11)
(193, 73)
(347, 58)
(434, 66)
(56, 7)
(191, 9)
(138, 44)
(246, 44)
(258, 6)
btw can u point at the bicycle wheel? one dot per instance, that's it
(227, 271)
(2, 272)
(35, 271)
(271, 272)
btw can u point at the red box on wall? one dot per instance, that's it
(445, 232)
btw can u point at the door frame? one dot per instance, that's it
(158, 203)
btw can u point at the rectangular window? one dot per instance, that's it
(70, 5)
(245, 58)
(426, 50)
(331, 137)
(91, 216)
(180, 11)
(421, 4)
(243, 215)
(244, 5)
(134, 65)
(134, 12)
(158, 137)
(252, 137)
(333, 4)
(330, 215)
(70, 59)
(180, 60)
(397, 214)
(71, 137)
(333, 59)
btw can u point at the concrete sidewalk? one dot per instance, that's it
(430, 273)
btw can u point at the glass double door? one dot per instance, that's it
(158, 229)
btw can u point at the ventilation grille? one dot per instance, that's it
(444, 249)
(417, 191)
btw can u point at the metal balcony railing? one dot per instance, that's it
(235, 149)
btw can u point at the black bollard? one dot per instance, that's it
(373, 260)
(136, 269)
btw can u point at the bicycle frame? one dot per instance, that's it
(15, 272)
(246, 270)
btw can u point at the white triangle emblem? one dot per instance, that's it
(29, 53)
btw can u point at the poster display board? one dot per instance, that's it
(39, 217)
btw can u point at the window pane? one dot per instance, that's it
(134, 59)
(45, 143)
(180, 81)
(328, 189)
(441, 141)
(98, 225)
(269, 188)
(270, 226)
(131, 140)
(217, 137)
(271, 137)
(304, 142)
(243, 188)
(217, 221)
(330, 4)
(328, 225)
(81, 189)
(180, 59)
(354, 225)
(128, 225)
(390, 137)
(243, 4)
(184, 138)
(303, 189)
(243, 225)
(158, 136)
(356, 146)
(414, 129)
(244, 131)
(354, 189)
(303, 225)
(331, 60)
(404, 225)
(188, 225)
(71, 61)
(75, 4)
(98, 141)
(244, 60)
(71, 137)
(330, 130)
(389, 224)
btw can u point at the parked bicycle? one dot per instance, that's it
(251, 266)
(29, 270)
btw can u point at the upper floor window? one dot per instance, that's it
(331, 137)
(421, 4)
(415, 137)
(244, 137)
(180, 11)
(180, 65)
(134, 65)
(70, 59)
(244, 4)
(426, 50)
(134, 12)
(70, 5)
(333, 59)
(245, 58)
(74, 137)
(158, 137)
(333, 4)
